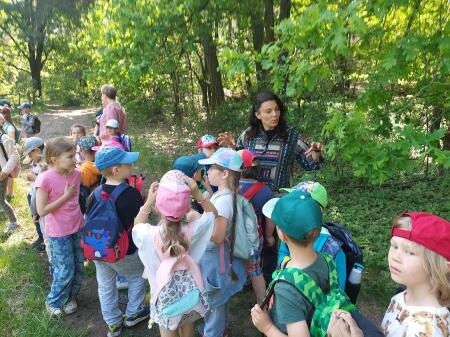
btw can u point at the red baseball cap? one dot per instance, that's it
(428, 230)
(248, 157)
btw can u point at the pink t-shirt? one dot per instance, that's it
(67, 219)
(113, 111)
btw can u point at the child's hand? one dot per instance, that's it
(261, 319)
(30, 176)
(69, 190)
(192, 184)
(152, 193)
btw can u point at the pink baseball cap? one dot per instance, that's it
(207, 141)
(173, 199)
(428, 230)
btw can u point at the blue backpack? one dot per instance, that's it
(104, 237)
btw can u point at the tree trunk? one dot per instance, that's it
(269, 21)
(258, 41)
(285, 9)
(212, 68)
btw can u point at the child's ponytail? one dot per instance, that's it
(174, 239)
(234, 185)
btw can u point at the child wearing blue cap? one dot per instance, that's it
(34, 148)
(115, 166)
(26, 120)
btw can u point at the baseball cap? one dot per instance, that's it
(86, 143)
(248, 158)
(189, 164)
(112, 155)
(24, 106)
(317, 191)
(173, 198)
(112, 123)
(428, 230)
(224, 157)
(207, 141)
(296, 214)
(31, 144)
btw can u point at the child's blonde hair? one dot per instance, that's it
(436, 266)
(56, 147)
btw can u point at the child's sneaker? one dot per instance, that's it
(53, 312)
(138, 317)
(70, 307)
(115, 330)
(121, 282)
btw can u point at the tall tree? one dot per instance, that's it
(31, 27)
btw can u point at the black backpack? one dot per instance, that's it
(353, 253)
(35, 124)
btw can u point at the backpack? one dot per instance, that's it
(249, 194)
(323, 303)
(15, 172)
(35, 124)
(137, 181)
(179, 297)
(125, 140)
(104, 237)
(16, 131)
(341, 239)
(246, 239)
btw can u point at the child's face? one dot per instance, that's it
(209, 151)
(65, 161)
(217, 177)
(26, 111)
(77, 133)
(112, 131)
(405, 264)
(36, 155)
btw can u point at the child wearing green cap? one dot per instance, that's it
(298, 218)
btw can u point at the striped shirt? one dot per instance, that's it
(276, 156)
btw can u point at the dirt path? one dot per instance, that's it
(88, 317)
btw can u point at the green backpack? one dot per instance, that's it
(323, 303)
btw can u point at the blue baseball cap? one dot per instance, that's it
(189, 164)
(112, 155)
(24, 106)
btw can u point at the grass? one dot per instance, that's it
(23, 280)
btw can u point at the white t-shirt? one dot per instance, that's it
(144, 238)
(402, 320)
(223, 202)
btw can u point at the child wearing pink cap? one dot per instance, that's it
(418, 258)
(207, 144)
(172, 250)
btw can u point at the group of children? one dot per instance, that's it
(187, 252)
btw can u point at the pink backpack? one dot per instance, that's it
(179, 296)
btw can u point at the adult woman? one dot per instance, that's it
(275, 145)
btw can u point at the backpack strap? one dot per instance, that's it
(3, 147)
(118, 190)
(253, 190)
(303, 282)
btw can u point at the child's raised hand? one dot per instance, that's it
(152, 192)
(192, 184)
(261, 319)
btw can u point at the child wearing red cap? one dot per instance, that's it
(418, 258)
